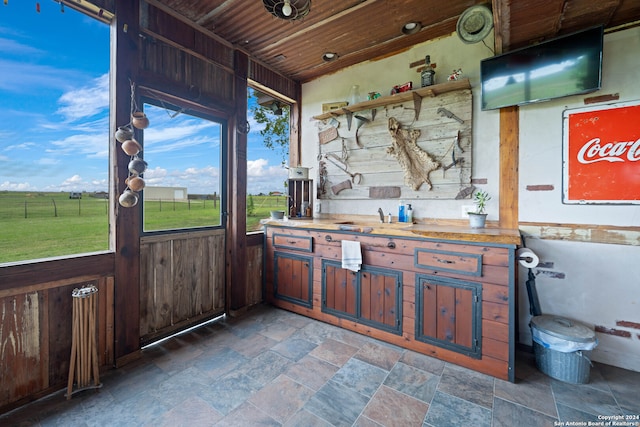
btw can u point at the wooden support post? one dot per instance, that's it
(509, 163)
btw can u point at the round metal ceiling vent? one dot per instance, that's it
(474, 24)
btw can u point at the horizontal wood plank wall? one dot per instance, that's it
(276, 82)
(35, 336)
(496, 265)
(181, 281)
(438, 137)
(181, 60)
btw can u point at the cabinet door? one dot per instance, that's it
(449, 313)
(339, 287)
(371, 296)
(380, 298)
(293, 278)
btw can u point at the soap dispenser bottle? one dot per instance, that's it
(409, 214)
(401, 214)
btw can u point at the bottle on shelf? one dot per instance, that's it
(401, 214)
(409, 214)
(428, 74)
(354, 95)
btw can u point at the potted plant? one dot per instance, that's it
(478, 218)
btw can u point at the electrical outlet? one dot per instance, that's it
(317, 206)
(467, 208)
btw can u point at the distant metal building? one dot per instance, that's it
(165, 193)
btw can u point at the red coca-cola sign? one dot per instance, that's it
(602, 154)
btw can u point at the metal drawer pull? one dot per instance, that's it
(446, 261)
(390, 245)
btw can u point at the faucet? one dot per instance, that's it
(381, 215)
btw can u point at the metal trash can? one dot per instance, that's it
(562, 348)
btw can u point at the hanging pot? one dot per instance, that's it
(139, 120)
(135, 183)
(128, 199)
(123, 133)
(131, 147)
(137, 166)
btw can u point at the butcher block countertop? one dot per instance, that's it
(401, 229)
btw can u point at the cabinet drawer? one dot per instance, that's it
(454, 262)
(296, 243)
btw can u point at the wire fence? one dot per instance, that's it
(53, 208)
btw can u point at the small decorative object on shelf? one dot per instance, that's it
(406, 87)
(478, 218)
(455, 75)
(428, 74)
(354, 95)
(300, 198)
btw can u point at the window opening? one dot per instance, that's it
(267, 154)
(183, 180)
(54, 132)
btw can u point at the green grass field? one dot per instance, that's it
(37, 225)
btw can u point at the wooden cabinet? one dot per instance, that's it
(289, 268)
(449, 314)
(293, 278)
(449, 299)
(371, 296)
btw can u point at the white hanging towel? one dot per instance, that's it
(351, 255)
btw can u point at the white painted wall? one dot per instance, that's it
(601, 283)
(598, 284)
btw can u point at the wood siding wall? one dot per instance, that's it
(181, 281)
(35, 336)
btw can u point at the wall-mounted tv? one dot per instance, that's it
(567, 65)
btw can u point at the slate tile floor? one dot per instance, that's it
(275, 368)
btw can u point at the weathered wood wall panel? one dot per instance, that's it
(182, 281)
(254, 274)
(180, 59)
(447, 141)
(206, 81)
(35, 337)
(272, 80)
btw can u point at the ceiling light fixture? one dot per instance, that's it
(289, 10)
(411, 28)
(329, 56)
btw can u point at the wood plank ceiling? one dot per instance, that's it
(360, 30)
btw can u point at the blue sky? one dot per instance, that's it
(54, 130)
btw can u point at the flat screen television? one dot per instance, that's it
(567, 65)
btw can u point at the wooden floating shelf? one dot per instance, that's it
(415, 95)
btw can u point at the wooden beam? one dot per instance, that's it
(501, 24)
(125, 230)
(509, 163)
(237, 190)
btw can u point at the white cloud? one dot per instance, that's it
(12, 47)
(90, 145)
(86, 101)
(21, 77)
(75, 179)
(22, 146)
(16, 186)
